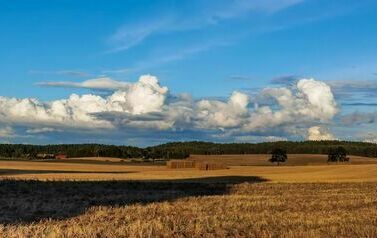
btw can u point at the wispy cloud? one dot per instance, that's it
(7, 132)
(354, 89)
(210, 14)
(358, 118)
(285, 79)
(360, 104)
(354, 84)
(167, 55)
(75, 73)
(42, 130)
(369, 137)
(241, 77)
(97, 84)
(133, 34)
(208, 18)
(235, 9)
(248, 139)
(117, 71)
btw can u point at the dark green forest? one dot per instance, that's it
(180, 150)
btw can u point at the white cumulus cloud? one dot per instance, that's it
(146, 104)
(103, 83)
(317, 133)
(310, 100)
(218, 114)
(7, 131)
(144, 96)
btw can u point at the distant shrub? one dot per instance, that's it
(338, 154)
(278, 156)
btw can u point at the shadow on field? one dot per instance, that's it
(23, 201)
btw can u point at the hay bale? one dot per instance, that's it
(180, 164)
(210, 166)
(190, 164)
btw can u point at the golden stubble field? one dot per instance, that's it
(360, 170)
(240, 208)
(112, 199)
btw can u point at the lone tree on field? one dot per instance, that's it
(279, 156)
(338, 154)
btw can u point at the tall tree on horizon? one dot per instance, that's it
(279, 156)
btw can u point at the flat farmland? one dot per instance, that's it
(108, 198)
(359, 171)
(238, 208)
(101, 159)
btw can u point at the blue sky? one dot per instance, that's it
(202, 52)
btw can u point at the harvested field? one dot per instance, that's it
(153, 201)
(238, 208)
(104, 159)
(78, 171)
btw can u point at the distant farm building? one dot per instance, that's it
(51, 156)
(60, 156)
(45, 156)
(191, 164)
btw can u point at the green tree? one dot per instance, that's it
(338, 154)
(278, 156)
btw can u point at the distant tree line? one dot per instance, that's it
(71, 151)
(181, 150)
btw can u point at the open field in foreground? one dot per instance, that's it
(241, 207)
(41, 199)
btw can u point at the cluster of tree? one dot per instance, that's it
(278, 156)
(338, 154)
(153, 153)
(181, 150)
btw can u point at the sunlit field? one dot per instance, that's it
(359, 170)
(239, 208)
(121, 199)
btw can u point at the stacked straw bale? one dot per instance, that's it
(190, 164)
(210, 166)
(181, 164)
